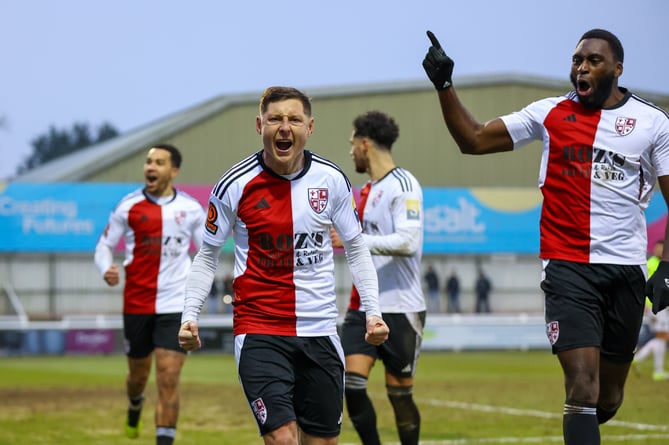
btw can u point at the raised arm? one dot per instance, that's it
(471, 136)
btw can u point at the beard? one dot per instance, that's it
(360, 166)
(600, 93)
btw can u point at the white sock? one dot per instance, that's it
(659, 351)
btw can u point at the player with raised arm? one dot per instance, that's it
(604, 148)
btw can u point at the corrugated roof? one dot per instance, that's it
(83, 163)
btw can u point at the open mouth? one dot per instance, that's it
(284, 145)
(583, 87)
(151, 179)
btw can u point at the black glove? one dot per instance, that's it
(657, 287)
(437, 65)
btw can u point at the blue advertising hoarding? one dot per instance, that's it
(56, 217)
(477, 221)
(62, 217)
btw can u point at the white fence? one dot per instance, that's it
(103, 334)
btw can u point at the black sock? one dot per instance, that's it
(407, 416)
(579, 424)
(164, 440)
(135, 410)
(360, 409)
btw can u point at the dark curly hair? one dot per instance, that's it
(377, 126)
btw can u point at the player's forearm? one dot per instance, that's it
(364, 275)
(404, 242)
(460, 122)
(198, 283)
(103, 257)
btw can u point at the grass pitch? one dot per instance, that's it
(465, 398)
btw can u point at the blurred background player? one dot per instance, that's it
(658, 325)
(391, 210)
(158, 224)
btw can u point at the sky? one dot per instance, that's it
(130, 62)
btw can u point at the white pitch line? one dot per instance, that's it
(536, 413)
(530, 440)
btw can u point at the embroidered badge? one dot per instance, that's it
(552, 331)
(258, 407)
(625, 125)
(318, 199)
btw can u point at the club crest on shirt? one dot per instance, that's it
(552, 331)
(318, 199)
(377, 198)
(625, 125)
(258, 407)
(180, 217)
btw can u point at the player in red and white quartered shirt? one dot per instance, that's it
(391, 210)
(278, 205)
(604, 149)
(158, 225)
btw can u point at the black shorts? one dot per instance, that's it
(144, 332)
(598, 305)
(399, 353)
(293, 379)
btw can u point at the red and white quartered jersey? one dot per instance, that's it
(284, 269)
(598, 171)
(157, 243)
(387, 206)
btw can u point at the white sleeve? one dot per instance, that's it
(404, 242)
(527, 125)
(364, 274)
(200, 278)
(198, 228)
(104, 257)
(110, 237)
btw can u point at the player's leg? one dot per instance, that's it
(138, 374)
(400, 357)
(573, 311)
(659, 357)
(168, 370)
(266, 365)
(137, 333)
(170, 358)
(580, 367)
(358, 404)
(660, 350)
(611, 383)
(360, 357)
(285, 434)
(319, 390)
(623, 315)
(644, 351)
